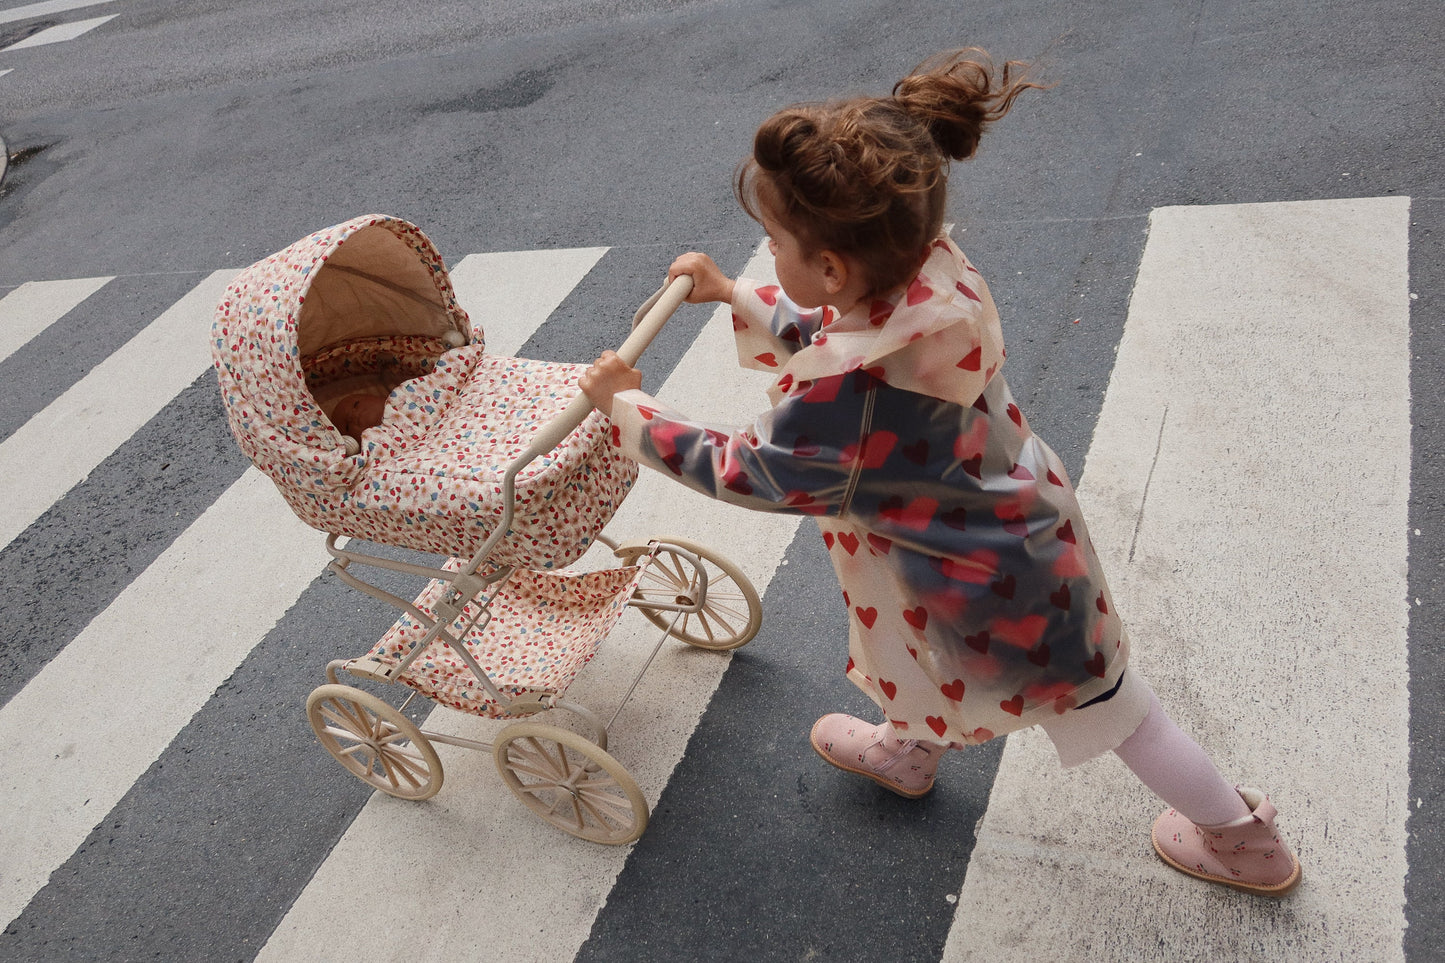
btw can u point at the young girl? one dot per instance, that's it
(976, 604)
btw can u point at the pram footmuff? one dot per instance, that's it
(498, 464)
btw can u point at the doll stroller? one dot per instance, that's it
(499, 464)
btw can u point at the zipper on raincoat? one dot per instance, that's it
(862, 446)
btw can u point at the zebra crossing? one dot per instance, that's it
(56, 33)
(45, 8)
(36, 305)
(105, 407)
(99, 743)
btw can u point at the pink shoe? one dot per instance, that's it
(1246, 854)
(905, 766)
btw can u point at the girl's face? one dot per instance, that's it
(803, 275)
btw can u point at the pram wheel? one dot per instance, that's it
(732, 612)
(571, 783)
(376, 743)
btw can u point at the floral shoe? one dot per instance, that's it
(905, 766)
(1246, 854)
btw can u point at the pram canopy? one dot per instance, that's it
(368, 306)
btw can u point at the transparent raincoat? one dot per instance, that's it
(976, 603)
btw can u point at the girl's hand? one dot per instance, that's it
(608, 375)
(708, 281)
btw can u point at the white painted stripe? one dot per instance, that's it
(59, 33)
(3, 73)
(36, 305)
(1261, 396)
(60, 446)
(479, 870)
(45, 9)
(136, 674)
(509, 294)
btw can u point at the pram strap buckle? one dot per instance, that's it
(465, 587)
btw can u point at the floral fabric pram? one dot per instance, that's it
(498, 463)
(367, 306)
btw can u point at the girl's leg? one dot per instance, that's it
(1214, 831)
(1178, 771)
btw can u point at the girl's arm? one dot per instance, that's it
(768, 327)
(794, 458)
(608, 375)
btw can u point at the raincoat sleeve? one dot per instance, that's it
(794, 458)
(768, 327)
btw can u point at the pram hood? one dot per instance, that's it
(372, 276)
(355, 305)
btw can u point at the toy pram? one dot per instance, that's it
(500, 464)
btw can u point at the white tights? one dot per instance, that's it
(1178, 771)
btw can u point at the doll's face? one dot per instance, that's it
(356, 413)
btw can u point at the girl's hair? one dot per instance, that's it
(867, 177)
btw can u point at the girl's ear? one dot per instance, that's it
(836, 273)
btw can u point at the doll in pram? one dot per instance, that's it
(501, 465)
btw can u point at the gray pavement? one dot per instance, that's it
(173, 142)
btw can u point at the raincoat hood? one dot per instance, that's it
(940, 337)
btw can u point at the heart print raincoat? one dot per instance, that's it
(976, 603)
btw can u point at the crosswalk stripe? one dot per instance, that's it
(467, 848)
(137, 672)
(510, 293)
(80, 428)
(45, 8)
(60, 33)
(1265, 352)
(36, 305)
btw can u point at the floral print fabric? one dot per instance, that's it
(429, 477)
(976, 603)
(544, 627)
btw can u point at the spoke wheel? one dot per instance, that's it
(376, 743)
(732, 612)
(571, 783)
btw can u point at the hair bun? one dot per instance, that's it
(956, 95)
(867, 177)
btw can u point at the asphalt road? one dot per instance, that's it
(176, 140)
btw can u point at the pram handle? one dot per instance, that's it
(646, 325)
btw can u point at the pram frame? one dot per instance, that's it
(595, 798)
(515, 707)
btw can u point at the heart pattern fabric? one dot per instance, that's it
(976, 602)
